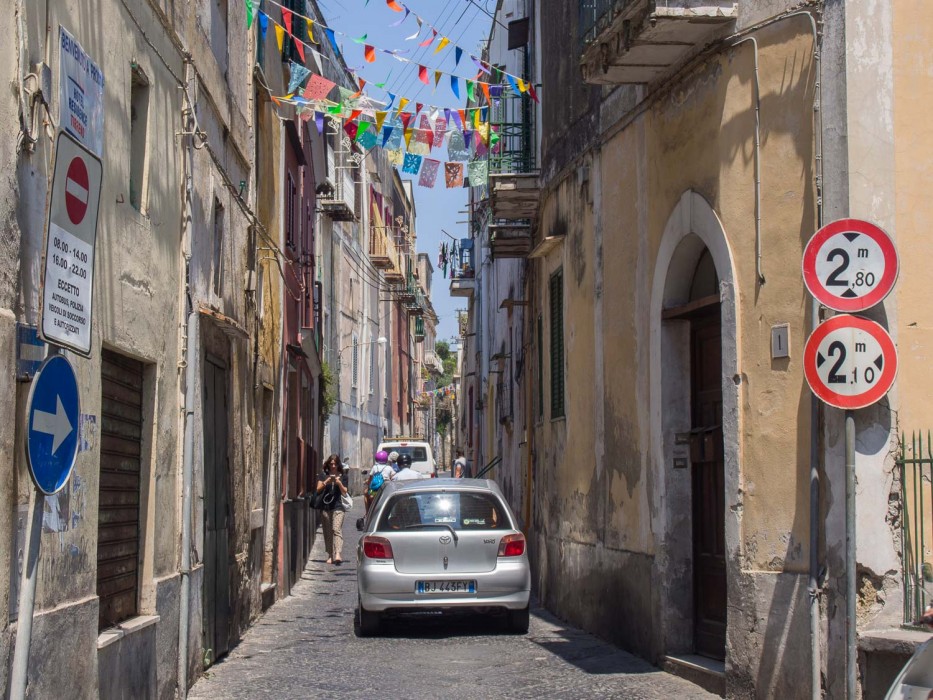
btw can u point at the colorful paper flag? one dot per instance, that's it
(427, 42)
(485, 87)
(333, 41)
(319, 121)
(297, 75)
(311, 32)
(393, 5)
(263, 24)
(455, 85)
(369, 53)
(287, 20)
(441, 44)
(423, 74)
(399, 22)
(351, 128)
(453, 174)
(380, 118)
(456, 148)
(531, 91)
(478, 172)
(458, 54)
(412, 164)
(429, 172)
(440, 130)
(279, 36)
(470, 95)
(249, 13)
(318, 88)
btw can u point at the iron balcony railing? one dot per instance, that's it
(596, 15)
(461, 266)
(916, 472)
(513, 119)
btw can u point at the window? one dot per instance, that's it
(139, 127)
(219, 32)
(437, 509)
(218, 280)
(540, 341)
(355, 364)
(121, 457)
(291, 198)
(557, 344)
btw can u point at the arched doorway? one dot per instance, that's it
(694, 422)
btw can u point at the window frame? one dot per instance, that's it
(557, 349)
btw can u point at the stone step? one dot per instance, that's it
(707, 673)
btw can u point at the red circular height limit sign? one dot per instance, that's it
(76, 190)
(850, 265)
(850, 362)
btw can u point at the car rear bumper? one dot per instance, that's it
(381, 588)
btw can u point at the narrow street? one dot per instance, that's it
(305, 647)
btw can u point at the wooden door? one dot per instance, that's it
(217, 515)
(709, 561)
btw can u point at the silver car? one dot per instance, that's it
(441, 545)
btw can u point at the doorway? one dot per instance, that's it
(217, 515)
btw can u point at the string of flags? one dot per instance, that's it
(518, 84)
(449, 391)
(393, 124)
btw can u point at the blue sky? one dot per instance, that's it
(466, 24)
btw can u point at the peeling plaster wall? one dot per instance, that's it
(612, 515)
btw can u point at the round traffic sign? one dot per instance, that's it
(850, 265)
(76, 190)
(850, 362)
(52, 424)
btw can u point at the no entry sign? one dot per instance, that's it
(850, 265)
(68, 282)
(76, 190)
(850, 362)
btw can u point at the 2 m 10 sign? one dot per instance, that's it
(850, 362)
(850, 265)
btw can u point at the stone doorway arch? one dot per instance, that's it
(694, 249)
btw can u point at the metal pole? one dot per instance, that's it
(27, 596)
(851, 656)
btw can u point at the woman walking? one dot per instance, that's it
(332, 487)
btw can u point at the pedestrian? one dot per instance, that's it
(460, 466)
(332, 486)
(405, 472)
(372, 484)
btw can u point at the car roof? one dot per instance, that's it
(443, 484)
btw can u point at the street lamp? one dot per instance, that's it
(381, 340)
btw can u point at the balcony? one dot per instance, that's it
(641, 41)
(337, 201)
(419, 329)
(514, 192)
(462, 271)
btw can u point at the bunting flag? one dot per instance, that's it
(386, 135)
(478, 172)
(485, 87)
(280, 36)
(300, 48)
(531, 92)
(370, 54)
(318, 88)
(380, 118)
(455, 85)
(391, 100)
(458, 54)
(319, 122)
(297, 75)
(456, 148)
(333, 41)
(441, 44)
(249, 13)
(393, 5)
(470, 96)
(311, 32)
(423, 74)
(406, 117)
(263, 24)
(287, 20)
(412, 164)
(363, 128)
(429, 172)
(440, 131)
(437, 78)
(368, 139)
(396, 157)
(427, 42)
(453, 177)
(402, 103)
(351, 128)
(399, 22)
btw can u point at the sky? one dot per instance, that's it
(466, 23)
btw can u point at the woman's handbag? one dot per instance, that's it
(346, 501)
(317, 500)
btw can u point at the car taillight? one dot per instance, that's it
(512, 546)
(377, 547)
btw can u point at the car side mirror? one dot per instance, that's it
(359, 524)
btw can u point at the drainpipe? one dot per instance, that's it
(191, 380)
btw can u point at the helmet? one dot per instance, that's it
(382, 456)
(404, 461)
(393, 456)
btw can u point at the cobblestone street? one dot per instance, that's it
(305, 647)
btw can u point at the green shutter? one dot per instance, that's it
(557, 344)
(540, 337)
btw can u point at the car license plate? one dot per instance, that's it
(429, 587)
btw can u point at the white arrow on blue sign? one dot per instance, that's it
(52, 424)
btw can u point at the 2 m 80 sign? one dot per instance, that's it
(850, 265)
(850, 362)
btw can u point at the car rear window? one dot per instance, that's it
(417, 454)
(460, 510)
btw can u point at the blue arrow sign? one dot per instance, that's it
(52, 424)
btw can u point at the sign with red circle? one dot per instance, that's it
(76, 190)
(850, 362)
(850, 265)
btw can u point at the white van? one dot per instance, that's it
(422, 457)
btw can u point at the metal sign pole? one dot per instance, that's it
(851, 652)
(27, 596)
